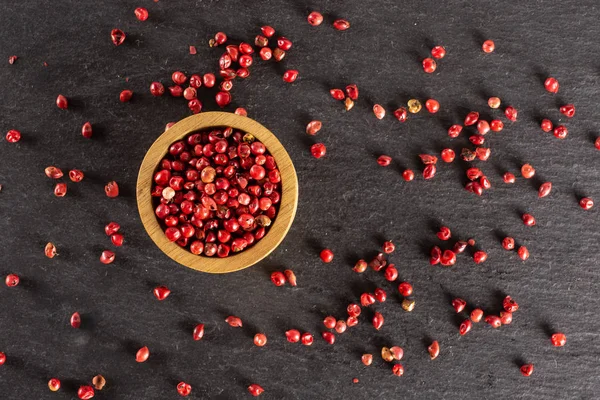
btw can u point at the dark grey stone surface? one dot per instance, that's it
(347, 202)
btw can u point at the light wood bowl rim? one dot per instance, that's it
(281, 223)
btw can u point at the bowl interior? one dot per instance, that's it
(278, 229)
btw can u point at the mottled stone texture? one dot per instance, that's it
(347, 201)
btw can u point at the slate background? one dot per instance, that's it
(347, 202)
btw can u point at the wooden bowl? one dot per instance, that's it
(278, 229)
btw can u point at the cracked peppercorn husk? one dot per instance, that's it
(408, 305)
(414, 106)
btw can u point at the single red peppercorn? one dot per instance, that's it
(75, 320)
(53, 384)
(429, 171)
(401, 114)
(477, 140)
(505, 317)
(496, 125)
(454, 131)
(291, 277)
(268, 31)
(471, 118)
(278, 278)
(50, 250)
(12, 59)
(384, 160)
(353, 310)
(284, 43)
(488, 46)
(448, 155)
(438, 52)
(117, 36)
(523, 253)
(62, 102)
(341, 24)
(388, 247)
(544, 189)
(511, 113)
(255, 390)
(326, 255)
(315, 18)
(86, 130)
(508, 177)
(125, 96)
(107, 257)
(293, 335)
(290, 75)
(378, 321)
(141, 13)
(111, 189)
(527, 171)
(527, 369)
(260, 339)
(429, 65)
(405, 289)
(528, 220)
(360, 266)
(494, 321)
(157, 89)
(558, 339)
(379, 111)
(476, 315)
(329, 322)
(551, 85)
(142, 354)
(586, 203)
(459, 304)
(198, 332)
(483, 127)
(391, 273)
(561, 132)
(85, 392)
(444, 233)
(352, 91)
(313, 127)
(434, 350)
(494, 102)
(340, 326)
(328, 337)
(337, 94)
(367, 359)
(184, 389)
(398, 370)
(546, 125)
(568, 110)
(76, 175)
(318, 150)
(161, 292)
(351, 321)
(479, 257)
(111, 228)
(465, 327)
(307, 339)
(508, 243)
(60, 190)
(380, 294)
(483, 153)
(234, 322)
(13, 136)
(12, 280)
(408, 175)
(53, 172)
(367, 299)
(433, 106)
(597, 143)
